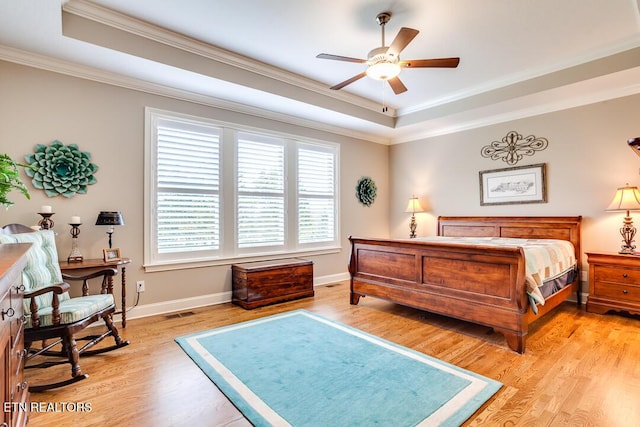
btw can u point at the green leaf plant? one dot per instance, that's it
(10, 179)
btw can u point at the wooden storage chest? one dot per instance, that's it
(256, 284)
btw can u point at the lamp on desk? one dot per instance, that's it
(110, 218)
(627, 199)
(413, 207)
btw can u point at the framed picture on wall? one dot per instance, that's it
(521, 184)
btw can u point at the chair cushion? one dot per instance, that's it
(42, 268)
(74, 309)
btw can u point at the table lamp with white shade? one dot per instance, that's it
(626, 199)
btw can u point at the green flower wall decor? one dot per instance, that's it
(366, 191)
(61, 169)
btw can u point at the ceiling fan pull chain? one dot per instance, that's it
(384, 103)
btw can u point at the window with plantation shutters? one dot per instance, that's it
(215, 192)
(188, 187)
(316, 194)
(261, 191)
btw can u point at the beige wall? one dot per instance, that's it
(38, 107)
(587, 159)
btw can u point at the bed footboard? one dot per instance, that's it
(480, 284)
(466, 282)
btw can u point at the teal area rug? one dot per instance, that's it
(301, 369)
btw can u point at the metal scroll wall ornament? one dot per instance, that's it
(366, 191)
(513, 147)
(60, 169)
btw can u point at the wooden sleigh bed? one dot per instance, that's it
(480, 284)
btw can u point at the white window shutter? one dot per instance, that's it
(316, 196)
(260, 192)
(188, 187)
(215, 192)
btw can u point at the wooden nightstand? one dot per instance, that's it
(614, 283)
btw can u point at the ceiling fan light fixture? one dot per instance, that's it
(383, 63)
(383, 70)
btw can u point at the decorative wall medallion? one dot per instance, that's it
(513, 147)
(61, 169)
(366, 191)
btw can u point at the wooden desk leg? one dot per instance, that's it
(124, 297)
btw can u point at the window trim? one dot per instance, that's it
(229, 252)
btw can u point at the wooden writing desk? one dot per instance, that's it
(87, 265)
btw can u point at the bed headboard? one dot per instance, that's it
(526, 227)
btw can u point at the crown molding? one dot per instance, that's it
(416, 132)
(557, 102)
(621, 47)
(89, 73)
(158, 34)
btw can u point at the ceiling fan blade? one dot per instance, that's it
(349, 81)
(434, 63)
(340, 58)
(397, 86)
(404, 37)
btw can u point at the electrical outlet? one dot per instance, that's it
(140, 286)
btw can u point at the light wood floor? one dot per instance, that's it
(580, 369)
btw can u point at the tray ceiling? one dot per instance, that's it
(518, 58)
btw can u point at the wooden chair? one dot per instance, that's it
(51, 314)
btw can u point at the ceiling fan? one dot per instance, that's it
(383, 63)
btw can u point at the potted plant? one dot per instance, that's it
(10, 179)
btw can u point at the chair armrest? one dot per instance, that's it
(56, 289)
(55, 303)
(105, 272)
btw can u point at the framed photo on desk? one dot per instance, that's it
(111, 254)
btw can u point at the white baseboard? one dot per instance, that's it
(332, 278)
(182, 304)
